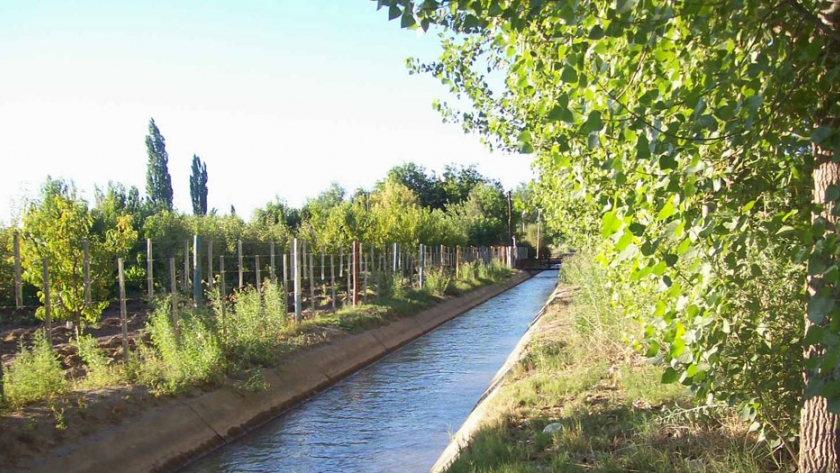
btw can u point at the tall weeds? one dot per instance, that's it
(35, 374)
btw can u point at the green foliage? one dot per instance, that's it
(437, 282)
(54, 228)
(676, 140)
(100, 372)
(35, 374)
(254, 325)
(198, 186)
(158, 181)
(192, 357)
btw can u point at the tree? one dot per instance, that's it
(158, 181)
(54, 227)
(198, 186)
(428, 187)
(683, 129)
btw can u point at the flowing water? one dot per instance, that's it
(398, 414)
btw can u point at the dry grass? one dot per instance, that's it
(611, 411)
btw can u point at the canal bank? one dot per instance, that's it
(172, 435)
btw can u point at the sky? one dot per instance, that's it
(278, 97)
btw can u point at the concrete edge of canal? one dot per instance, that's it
(171, 436)
(463, 437)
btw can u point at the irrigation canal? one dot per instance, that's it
(399, 413)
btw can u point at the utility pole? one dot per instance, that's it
(510, 220)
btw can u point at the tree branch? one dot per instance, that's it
(815, 20)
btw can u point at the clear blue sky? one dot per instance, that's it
(278, 97)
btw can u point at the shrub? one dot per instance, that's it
(437, 282)
(100, 372)
(254, 325)
(388, 285)
(194, 357)
(34, 374)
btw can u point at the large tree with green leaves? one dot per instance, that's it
(158, 181)
(703, 138)
(198, 186)
(54, 228)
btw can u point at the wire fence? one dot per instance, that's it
(313, 279)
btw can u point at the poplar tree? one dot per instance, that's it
(198, 186)
(703, 138)
(158, 181)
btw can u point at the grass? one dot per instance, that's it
(608, 409)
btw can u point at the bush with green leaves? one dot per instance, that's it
(189, 357)
(100, 371)
(437, 282)
(34, 375)
(254, 324)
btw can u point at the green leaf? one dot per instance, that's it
(832, 193)
(666, 211)
(593, 123)
(596, 32)
(569, 75)
(642, 147)
(561, 113)
(624, 6)
(394, 12)
(820, 134)
(670, 376)
(610, 224)
(819, 307)
(408, 19)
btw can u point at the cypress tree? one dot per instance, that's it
(158, 181)
(198, 186)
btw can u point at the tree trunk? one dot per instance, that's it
(818, 428)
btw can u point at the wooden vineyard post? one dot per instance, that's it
(322, 263)
(185, 281)
(222, 293)
(210, 278)
(86, 271)
(341, 262)
(312, 284)
(332, 280)
(239, 256)
(355, 273)
(457, 261)
(272, 278)
(421, 276)
(296, 277)
(285, 284)
(303, 261)
(18, 280)
(365, 268)
(257, 271)
(123, 311)
(348, 299)
(396, 257)
(196, 271)
(45, 274)
(174, 297)
(150, 280)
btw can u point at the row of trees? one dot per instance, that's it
(695, 146)
(158, 181)
(470, 209)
